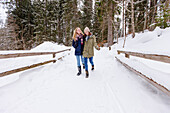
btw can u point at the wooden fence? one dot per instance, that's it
(33, 65)
(3, 56)
(156, 57)
(162, 58)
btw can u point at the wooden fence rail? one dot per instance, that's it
(29, 67)
(162, 58)
(157, 85)
(3, 56)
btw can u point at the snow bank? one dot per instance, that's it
(158, 76)
(149, 42)
(156, 42)
(14, 63)
(49, 46)
(46, 46)
(8, 79)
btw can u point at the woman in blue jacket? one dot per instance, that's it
(78, 44)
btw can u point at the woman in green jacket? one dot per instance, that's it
(88, 52)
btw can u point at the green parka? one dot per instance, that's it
(89, 47)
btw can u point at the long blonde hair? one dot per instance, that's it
(75, 33)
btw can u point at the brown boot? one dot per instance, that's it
(87, 74)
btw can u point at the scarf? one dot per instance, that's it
(81, 38)
(87, 37)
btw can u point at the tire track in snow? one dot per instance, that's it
(115, 98)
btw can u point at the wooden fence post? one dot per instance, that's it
(110, 48)
(126, 55)
(54, 61)
(54, 55)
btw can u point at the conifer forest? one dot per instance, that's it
(31, 22)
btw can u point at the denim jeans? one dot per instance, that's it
(78, 60)
(86, 62)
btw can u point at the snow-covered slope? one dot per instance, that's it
(155, 42)
(14, 63)
(49, 46)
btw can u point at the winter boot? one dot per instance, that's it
(79, 71)
(87, 74)
(92, 67)
(83, 66)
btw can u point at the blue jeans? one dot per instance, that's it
(86, 62)
(78, 60)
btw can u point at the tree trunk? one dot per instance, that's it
(123, 20)
(132, 19)
(110, 34)
(22, 37)
(146, 15)
(125, 28)
(153, 15)
(167, 2)
(46, 18)
(103, 27)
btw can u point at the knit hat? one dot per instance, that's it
(87, 29)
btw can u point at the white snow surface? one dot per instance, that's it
(55, 88)
(49, 46)
(111, 88)
(158, 76)
(155, 42)
(14, 63)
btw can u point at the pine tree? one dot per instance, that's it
(110, 26)
(70, 20)
(164, 16)
(87, 14)
(22, 16)
(106, 20)
(96, 29)
(152, 14)
(38, 20)
(100, 20)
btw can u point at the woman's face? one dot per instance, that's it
(86, 32)
(78, 31)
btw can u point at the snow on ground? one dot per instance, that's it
(46, 46)
(55, 88)
(14, 63)
(49, 46)
(111, 88)
(155, 42)
(158, 76)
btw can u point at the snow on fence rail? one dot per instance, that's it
(3, 56)
(161, 58)
(31, 66)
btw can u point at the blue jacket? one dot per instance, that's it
(78, 47)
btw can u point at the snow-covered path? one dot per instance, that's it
(55, 88)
